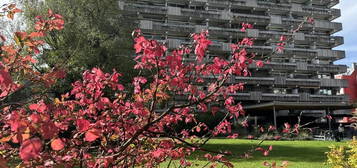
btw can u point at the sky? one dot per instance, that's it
(349, 32)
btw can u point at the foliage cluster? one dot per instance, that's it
(98, 124)
(97, 34)
(103, 123)
(343, 156)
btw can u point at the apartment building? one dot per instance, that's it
(299, 79)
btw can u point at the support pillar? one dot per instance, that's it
(329, 119)
(274, 111)
(255, 121)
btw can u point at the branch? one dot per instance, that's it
(148, 125)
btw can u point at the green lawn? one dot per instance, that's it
(300, 154)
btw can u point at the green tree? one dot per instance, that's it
(96, 34)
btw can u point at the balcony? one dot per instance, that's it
(291, 82)
(294, 67)
(221, 16)
(184, 28)
(219, 47)
(289, 97)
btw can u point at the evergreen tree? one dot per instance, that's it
(96, 34)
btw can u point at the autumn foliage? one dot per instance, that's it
(100, 123)
(343, 156)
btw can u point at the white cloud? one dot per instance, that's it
(348, 15)
(349, 32)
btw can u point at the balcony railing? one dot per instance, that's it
(291, 97)
(219, 16)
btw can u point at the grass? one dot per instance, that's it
(300, 154)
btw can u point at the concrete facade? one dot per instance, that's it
(300, 78)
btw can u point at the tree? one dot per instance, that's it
(123, 129)
(102, 123)
(96, 35)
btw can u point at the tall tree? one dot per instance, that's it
(96, 35)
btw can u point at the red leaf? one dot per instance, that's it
(234, 136)
(266, 153)
(30, 59)
(259, 149)
(287, 125)
(158, 153)
(5, 78)
(280, 49)
(33, 107)
(57, 144)
(271, 128)
(92, 135)
(246, 26)
(30, 149)
(259, 64)
(208, 156)
(266, 164)
(138, 44)
(82, 125)
(242, 58)
(50, 12)
(21, 35)
(48, 130)
(282, 38)
(229, 101)
(198, 129)
(10, 15)
(261, 129)
(57, 16)
(16, 10)
(310, 20)
(250, 137)
(277, 137)
(36, 34)
(40, 107)
(20, 138)
(35, 118)
(4, 93)
(60, 74)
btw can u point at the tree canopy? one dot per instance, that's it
(96, 35)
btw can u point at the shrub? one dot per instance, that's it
(343, 156)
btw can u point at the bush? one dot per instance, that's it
(343, 156)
